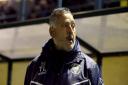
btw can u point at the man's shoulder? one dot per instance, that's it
(34, 62)
(93, 70)
(36, 59)
(90, 63)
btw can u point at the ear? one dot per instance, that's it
(52, 32)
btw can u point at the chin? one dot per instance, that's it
(69, 48)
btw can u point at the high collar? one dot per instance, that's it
(50, 46)
(57, 58)
(59, 55)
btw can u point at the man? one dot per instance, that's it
(61, 61)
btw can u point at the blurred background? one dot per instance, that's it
(102, 28)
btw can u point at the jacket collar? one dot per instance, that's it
(51, 53)
(50, 46)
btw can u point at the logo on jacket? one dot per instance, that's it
(76, 69)
(42, 69)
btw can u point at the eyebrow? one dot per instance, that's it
(72, 21)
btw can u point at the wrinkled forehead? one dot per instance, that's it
(65, 17)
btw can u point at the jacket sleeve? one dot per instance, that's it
(28, 75)
(95, 75)
(31, 70)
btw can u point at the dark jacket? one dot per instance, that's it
(56, 67)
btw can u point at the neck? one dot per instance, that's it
(59, 46)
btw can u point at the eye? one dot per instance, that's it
(73, 25)
(65, 25)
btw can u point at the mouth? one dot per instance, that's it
(69, 39)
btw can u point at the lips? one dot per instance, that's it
(70, 39)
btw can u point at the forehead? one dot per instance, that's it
(67, 17)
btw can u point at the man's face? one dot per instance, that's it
(65, 32)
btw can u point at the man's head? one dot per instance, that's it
(62, 29)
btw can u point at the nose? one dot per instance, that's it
(69, 29)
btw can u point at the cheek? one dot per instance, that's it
(60, 35)
(74, 33)
(62, 32)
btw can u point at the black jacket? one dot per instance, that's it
(55, 67)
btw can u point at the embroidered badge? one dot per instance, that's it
(42, 68)
(76, 69)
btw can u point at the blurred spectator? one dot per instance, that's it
(41, 8)
(1, 12)
(10, 11)
(45, 7)
(79, 5)
(35, 12)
